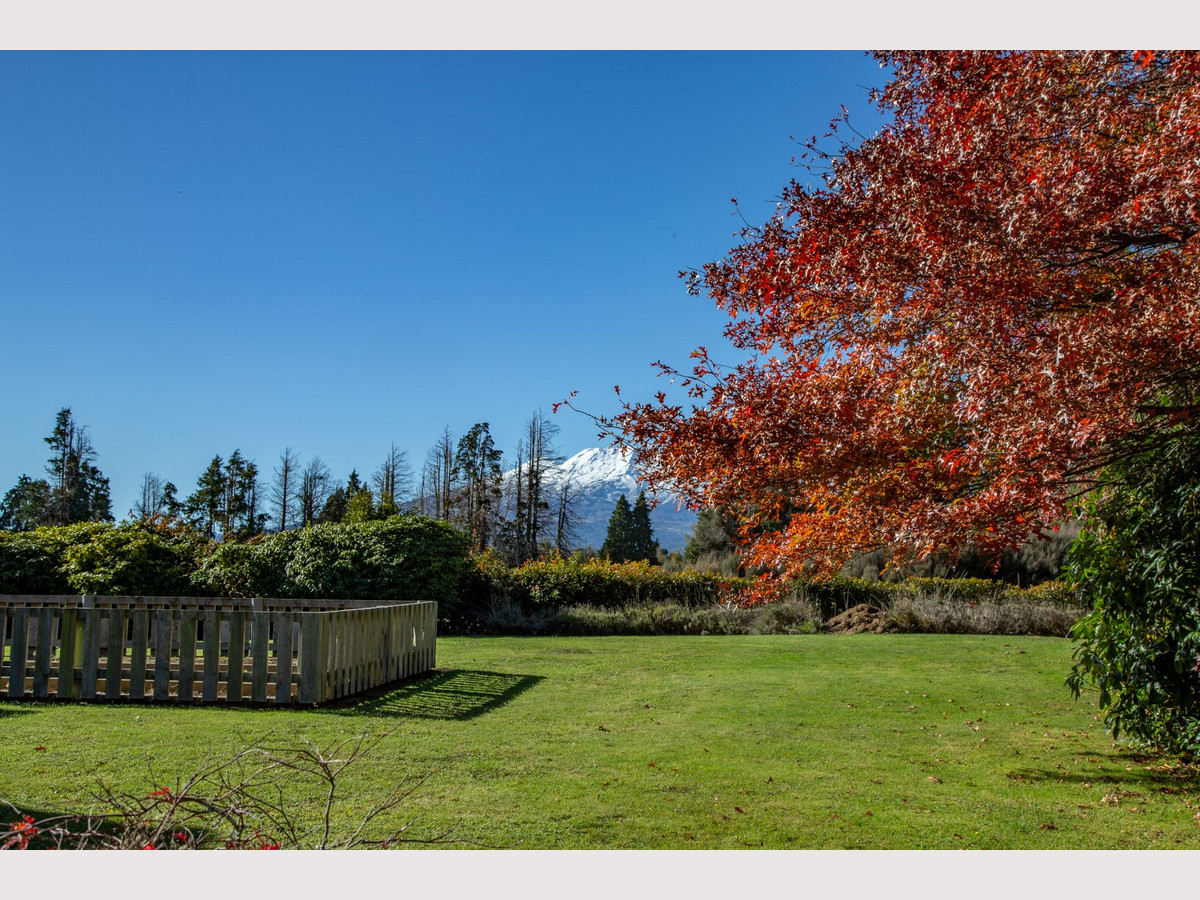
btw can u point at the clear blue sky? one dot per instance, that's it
(336, 251)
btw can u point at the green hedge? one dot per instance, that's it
(398, 559)
(97, 558)
(559, 583)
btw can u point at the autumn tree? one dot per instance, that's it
(955, 326)
(959, 328)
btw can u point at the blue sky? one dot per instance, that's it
(336, 251)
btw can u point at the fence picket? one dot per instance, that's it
(187, 654)
(283, 657)
(91, 653)
(212, 653)
(20, 651)
(237, 653)
(138, 639)
(259, 634)
(114, 653)
(162, 654)
(67, 645)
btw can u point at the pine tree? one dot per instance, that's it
(641, 534)
(25, 505)
(618, 541)
(476, 476)
(79, 492)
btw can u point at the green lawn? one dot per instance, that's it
(886, 742)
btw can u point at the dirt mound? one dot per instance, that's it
(861, 619)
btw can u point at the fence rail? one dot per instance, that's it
(211, 650)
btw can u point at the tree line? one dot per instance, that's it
(521, 516)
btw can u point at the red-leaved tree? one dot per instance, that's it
(973, 313)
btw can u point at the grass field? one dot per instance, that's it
(871, 741)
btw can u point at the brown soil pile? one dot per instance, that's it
(861, 619)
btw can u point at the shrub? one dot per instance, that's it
(97, 558)
(1138, 561)
(557, 583)
(399, 559)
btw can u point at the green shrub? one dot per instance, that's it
(96, 558)
(1138, 561)
(402, 558)
(128, 560)
(558, 583)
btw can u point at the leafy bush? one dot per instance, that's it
(96, 558)
(402, 558)
(1138, 561)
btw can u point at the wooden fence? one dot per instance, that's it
(188, 649)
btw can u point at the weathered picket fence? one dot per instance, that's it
(212, 650)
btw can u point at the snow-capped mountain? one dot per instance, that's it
(597, 477)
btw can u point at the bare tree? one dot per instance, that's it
(150, 502)
(392, 480)
(314, 490)
(535, 454)
(565, 523)
(436, 478)
(285, 490)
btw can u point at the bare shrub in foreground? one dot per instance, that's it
(238, 804)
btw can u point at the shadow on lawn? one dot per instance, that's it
(457, 694)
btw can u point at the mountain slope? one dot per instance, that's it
(597, 477)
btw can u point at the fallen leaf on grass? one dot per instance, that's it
(935, 779)
(1049, 826)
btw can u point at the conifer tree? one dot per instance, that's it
(618, 541)
(641, 533)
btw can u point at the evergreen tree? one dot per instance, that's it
(618, 541)
(79, 492)
(225, 503)
(641, 534)
(476, 476)
(360, 507)
(335, 506)
(203, 506)
(714, 535)
(25, 505)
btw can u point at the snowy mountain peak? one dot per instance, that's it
(597, 466)
(598, 476)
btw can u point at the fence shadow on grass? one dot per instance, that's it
(457, 694)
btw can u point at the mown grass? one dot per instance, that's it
(781, 741)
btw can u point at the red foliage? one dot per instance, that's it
(948, 338)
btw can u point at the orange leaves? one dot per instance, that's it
(990, 294)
